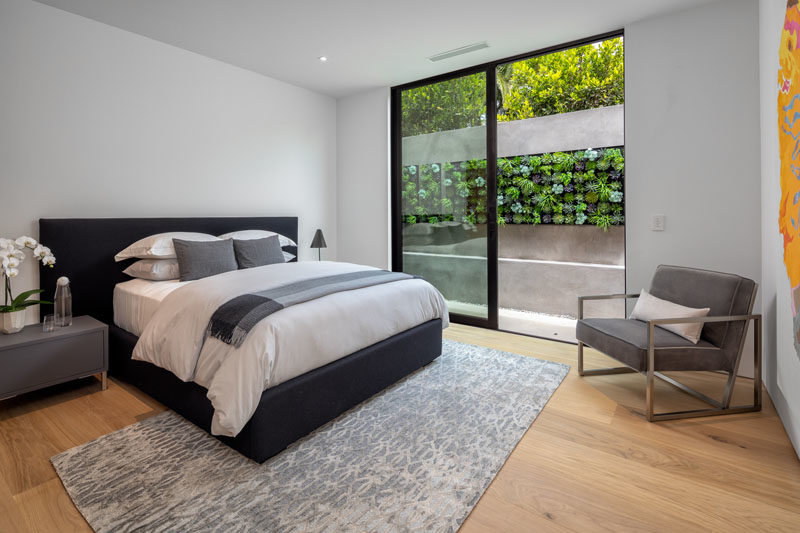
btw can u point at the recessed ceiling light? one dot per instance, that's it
(323, 59)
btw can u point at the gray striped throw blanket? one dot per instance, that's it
(234, 319)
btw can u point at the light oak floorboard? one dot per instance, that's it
(38, 425)
(588, 463)
(10, 513)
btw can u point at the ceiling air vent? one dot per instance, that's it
(459, 51)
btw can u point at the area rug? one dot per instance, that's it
(417, 457)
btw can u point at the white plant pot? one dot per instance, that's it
(12, 322)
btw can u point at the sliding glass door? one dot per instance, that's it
(443, 191)
(508, 186)
(560, 187)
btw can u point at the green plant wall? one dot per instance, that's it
(580, 187)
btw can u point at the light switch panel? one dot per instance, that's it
(657, 223)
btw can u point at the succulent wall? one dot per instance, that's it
(580, 187)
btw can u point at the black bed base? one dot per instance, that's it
(296, 407)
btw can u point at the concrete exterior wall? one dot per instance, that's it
(553, 288)
(578, 244)
(528, 285)
(593, 128)
(541, 269)
(458, 278)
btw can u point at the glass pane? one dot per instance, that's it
(560, 176)
(444, 190)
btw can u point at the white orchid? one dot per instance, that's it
(10, 261)
(12, 253)
(25, 241)
(40, 252)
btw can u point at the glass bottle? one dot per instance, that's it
(63, 302)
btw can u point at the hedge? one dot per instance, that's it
(580, 187)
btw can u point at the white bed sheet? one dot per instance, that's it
(136, 301)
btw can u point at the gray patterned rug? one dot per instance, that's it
(416, 457)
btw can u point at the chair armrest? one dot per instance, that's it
(651, 324)
(695, 319)
(582, 299)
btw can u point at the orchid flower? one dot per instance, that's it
(12, 253)
(40, 251)
(25, 241)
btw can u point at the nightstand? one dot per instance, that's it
(33, 359)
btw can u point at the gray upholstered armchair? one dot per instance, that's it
(642, 347)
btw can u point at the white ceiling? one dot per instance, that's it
(370, 43)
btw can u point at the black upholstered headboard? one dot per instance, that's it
(85, 249)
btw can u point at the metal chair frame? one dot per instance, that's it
(718, 407)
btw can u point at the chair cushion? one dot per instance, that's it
(626, 341)
(648, 307)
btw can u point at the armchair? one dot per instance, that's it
(650, 350)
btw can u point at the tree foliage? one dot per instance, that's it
(447, 105)
(579, 78)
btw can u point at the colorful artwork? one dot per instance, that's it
(789, 138)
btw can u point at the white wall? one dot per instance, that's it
(363, 176)
(692, 137)
(99, 122)
(781, 362)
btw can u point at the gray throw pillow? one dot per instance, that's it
(198, 259)
(258, 252)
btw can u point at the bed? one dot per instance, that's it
(285, 412)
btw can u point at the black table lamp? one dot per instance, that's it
(319, 242)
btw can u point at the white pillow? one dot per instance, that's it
(160, 245)
(250, 234)
(648, 307)
(154, 269)
(288, 257)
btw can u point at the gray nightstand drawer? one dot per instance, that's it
(32, 359)
(45, 362)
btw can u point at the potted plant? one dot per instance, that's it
(12, 253)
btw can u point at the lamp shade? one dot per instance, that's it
(319, 240)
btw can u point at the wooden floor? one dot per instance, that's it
(588, 463)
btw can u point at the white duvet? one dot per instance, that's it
(286, 344)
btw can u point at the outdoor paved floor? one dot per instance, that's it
(525, 322)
